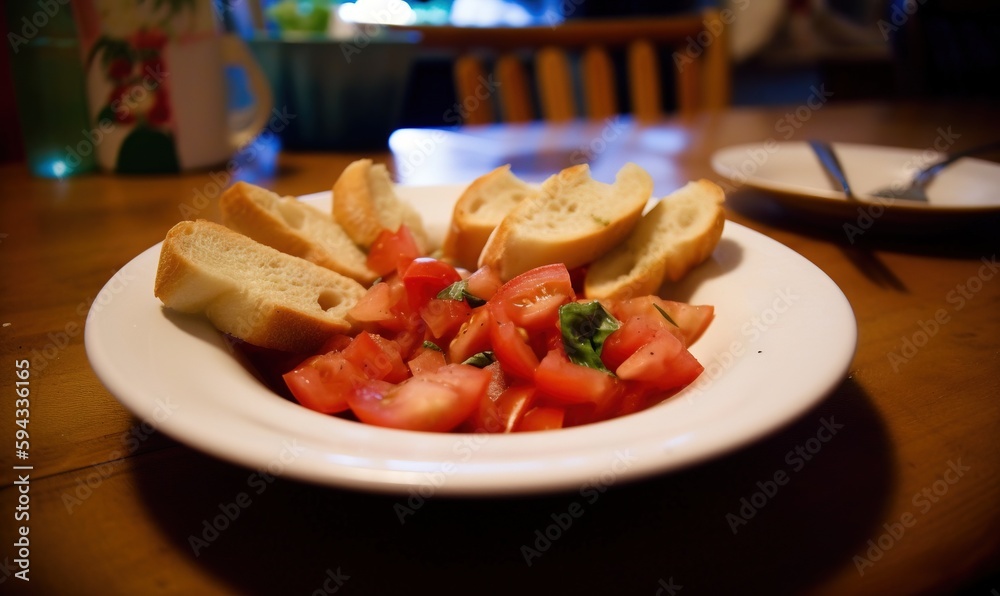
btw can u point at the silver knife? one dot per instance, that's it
(832, 165)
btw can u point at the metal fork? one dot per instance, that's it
(915, 190)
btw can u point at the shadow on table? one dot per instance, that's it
(955, 236)
(780, 515)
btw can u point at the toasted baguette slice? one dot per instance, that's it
(293, 227)
(252, 291)
(574, 219)
(676, 235)
(365, 203)
(479, 211)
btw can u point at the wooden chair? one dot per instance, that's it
(697, 43)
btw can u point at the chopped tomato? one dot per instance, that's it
(473, 336)
(392, 251)
(635, 332)
(484, 283)
(503, 412)
(375, 306)
(542, 418)
(436, 401)
(444, 317)
(323, 382)
(686, 321)
(637, 397)
(532, 300)
(378, 358)
(336, 343)
(424, 279)
(498, 380)
(663, 363)
(512, 351)
(410, 337)
(426, 360)
(386, 305)
(565, 382)
(513, 404)
(389, 375)
(692, 319)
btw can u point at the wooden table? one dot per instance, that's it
(903, 498)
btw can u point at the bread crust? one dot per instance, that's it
(478, 211)
(676, 235)
(293, 227)
(574, 219)
(365, 203)
(251, 291)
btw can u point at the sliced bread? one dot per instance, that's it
(676, 235)
(252, 291)
(573, 219)
(365, 203)
(478, 211)
(293, 227)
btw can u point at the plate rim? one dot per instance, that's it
(836, 198)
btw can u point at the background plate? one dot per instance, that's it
(791, 171)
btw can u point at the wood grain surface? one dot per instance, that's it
(892, 483)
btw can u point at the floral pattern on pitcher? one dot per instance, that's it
(125, 42)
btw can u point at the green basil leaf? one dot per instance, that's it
(432, 346)
(585, 326)
(481, 360)
(460, 291)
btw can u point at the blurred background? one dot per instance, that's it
(780, 51)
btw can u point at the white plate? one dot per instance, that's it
(792, 171)
(783, 338)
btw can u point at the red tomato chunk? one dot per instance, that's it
(439, 353)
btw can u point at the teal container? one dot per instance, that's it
(344, 95)
(49, 88)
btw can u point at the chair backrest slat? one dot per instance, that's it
(644, 81)
(514, 89)
(555, 85)
(699, 59)
(599, 84)
(469, 73)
